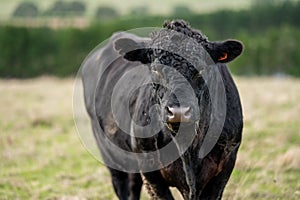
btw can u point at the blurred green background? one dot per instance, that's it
(39, 37)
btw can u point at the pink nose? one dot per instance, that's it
(179, 114)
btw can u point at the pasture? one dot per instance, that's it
(41, 156)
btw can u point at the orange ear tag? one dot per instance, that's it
(224, 57)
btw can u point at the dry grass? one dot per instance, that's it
(268, 165)
(41, 156)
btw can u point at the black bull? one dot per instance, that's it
(195, 176)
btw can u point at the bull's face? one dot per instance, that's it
(178, 86)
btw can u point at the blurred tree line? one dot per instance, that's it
(62, 8)
(59, 9)
(270, 32)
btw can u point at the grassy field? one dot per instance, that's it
(41, 156)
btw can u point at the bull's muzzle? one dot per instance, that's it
(179, 114)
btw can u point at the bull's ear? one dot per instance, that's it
(133, 50)
(226, 51)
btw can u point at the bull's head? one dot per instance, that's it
(169, 55)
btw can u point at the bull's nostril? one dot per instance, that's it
(170, 112)
(188, 112)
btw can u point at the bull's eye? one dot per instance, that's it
(144, 113)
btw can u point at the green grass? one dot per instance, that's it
(41, 156)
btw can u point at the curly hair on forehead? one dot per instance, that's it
(183, 27)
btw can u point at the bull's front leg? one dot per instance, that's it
(215, 187)
(156, 186)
